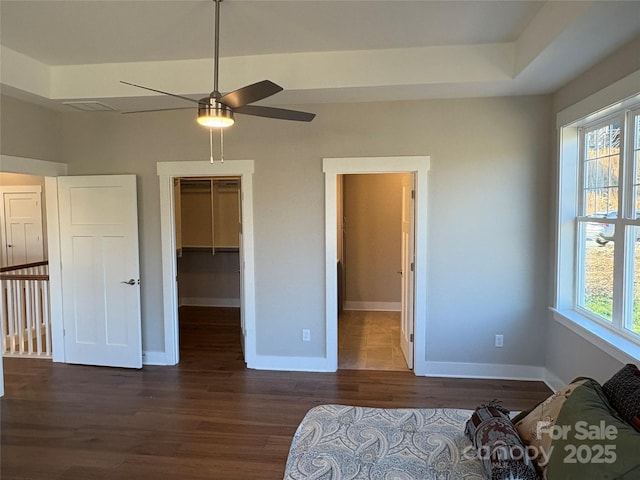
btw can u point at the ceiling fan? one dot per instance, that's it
(217, 110)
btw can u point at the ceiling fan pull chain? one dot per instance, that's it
(211, 145)
(222, 145)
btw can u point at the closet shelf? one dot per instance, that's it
(186, 248)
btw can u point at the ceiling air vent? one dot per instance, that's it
(87, 106)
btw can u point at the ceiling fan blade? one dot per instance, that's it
(160, 91)
(156, 110)
(279, 113)
(250, 93)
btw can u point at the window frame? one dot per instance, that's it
(617, 221)
(572, 219)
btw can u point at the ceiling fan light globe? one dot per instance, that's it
(215, 115)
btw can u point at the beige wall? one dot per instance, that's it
(567, 354)
(30, 131)
(372, 212)
(491, 206)
(209, 280)
(488, 203)
(619, 64)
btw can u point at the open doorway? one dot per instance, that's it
(372, 300)
(419, 167)
(25, 325)
(168, 173)
(207, 235)
(28, 166)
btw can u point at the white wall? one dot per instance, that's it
(489, 204)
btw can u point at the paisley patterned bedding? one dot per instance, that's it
(337, 442)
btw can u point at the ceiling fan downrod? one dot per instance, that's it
(211, 112)
(216, 49)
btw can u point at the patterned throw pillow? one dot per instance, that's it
(499, 447)
(623, 392)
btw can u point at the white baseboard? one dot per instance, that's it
(554, 382)
(290, 364)
(480, 370)
(373, 306)
(208, 302)
(150, 357)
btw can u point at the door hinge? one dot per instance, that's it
(411, 338)
(64, 332)
(412, 266)
(413, 194)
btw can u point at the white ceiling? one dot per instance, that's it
(319, 51)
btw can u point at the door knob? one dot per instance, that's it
(130, 282)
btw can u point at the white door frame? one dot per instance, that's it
(332, 167)
(167, 172)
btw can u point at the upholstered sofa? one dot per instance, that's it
(584, 431)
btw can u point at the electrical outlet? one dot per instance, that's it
(499, 340)
(306, 335)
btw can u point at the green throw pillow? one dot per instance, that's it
(591, 440)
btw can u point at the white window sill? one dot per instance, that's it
(617, 346)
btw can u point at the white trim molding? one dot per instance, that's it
(167, 171)
(150, 357)
(55, 271)
(291, 364)
(332, 167)
(484, 370)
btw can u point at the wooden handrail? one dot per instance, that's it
(24, 265)
(23, 277)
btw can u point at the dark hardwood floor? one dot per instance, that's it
(207, 418)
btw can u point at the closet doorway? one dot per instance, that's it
(207, 236)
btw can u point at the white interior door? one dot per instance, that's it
(100, 270)
(408, 274)
(22, 229)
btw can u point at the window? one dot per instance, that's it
(603, 286)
